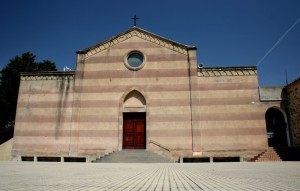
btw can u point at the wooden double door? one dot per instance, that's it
(134, 130)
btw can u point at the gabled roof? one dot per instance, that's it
(141, 33)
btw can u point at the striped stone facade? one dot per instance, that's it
(228, 113)
(189, 111)
(44, 114)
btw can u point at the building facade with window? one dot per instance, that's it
(138, 90)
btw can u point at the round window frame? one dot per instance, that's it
(131, 67)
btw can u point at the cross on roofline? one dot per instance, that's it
(135, 19)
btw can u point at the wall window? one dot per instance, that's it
(135, 60)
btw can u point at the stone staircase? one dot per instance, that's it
(132, 156)
(278, 154)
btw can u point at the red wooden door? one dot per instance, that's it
(134, 134)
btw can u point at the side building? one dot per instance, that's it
(293, 110)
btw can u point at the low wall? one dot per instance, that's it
(5, 150)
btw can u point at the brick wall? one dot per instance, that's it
(293, 110)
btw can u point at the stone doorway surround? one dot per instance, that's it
(277, 128)
(132, 101)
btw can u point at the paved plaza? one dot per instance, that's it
(192, 176)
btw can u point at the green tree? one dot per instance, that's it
(9, 88)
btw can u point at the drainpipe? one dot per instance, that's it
(191, 106)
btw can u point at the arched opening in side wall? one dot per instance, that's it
(277, 129)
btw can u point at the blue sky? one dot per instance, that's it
(226, 32)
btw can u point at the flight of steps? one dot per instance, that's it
(132, 156)
(278, 154)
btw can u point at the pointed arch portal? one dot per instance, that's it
(134, 121)
(276, 128)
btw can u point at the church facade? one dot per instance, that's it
(138, 90)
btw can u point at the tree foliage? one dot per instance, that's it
(9, 88)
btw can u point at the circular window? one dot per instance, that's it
(135, 60)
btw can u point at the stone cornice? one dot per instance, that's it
(31, 76)
(227, 71)
(143, 34)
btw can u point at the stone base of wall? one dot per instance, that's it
(5, 150)
(242, 155)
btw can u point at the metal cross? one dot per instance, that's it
(135, 18)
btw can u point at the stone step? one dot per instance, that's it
(133, 156)
(278, 154)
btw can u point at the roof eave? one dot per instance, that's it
(187, 47)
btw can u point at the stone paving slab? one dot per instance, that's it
(130, 176)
